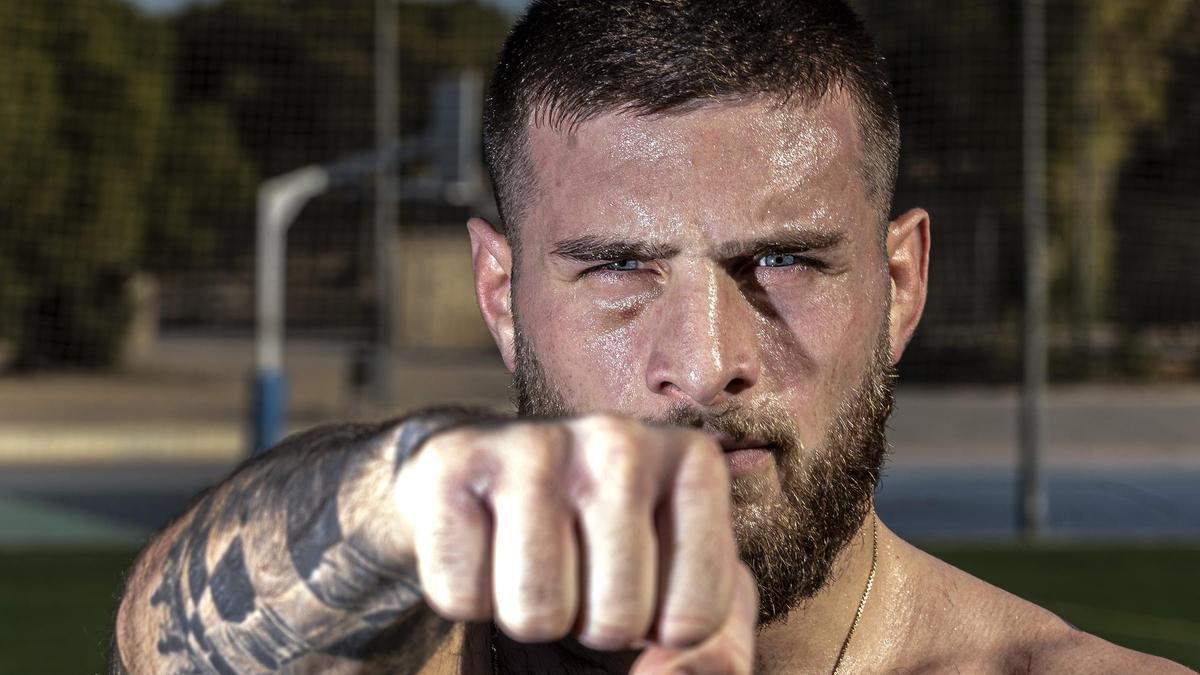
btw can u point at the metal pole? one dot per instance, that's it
(387, 132)
(269, 386)
(279, 202)
(1032, 499)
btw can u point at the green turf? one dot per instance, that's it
(55, 607)
(1145, 598)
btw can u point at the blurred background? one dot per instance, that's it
(221, 220)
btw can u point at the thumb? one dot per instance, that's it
(730, 651)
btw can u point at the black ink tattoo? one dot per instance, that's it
(277, 568)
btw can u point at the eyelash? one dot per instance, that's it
(797, 261)
(613, 266)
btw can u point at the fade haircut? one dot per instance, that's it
(569, 61)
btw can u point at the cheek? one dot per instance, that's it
(596, 346)
(615, 357)
(818, 320)
(822, 340)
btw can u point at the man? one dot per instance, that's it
(697, 286)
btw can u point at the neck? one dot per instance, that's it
(812, 634)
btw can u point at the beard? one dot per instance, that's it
(790, 539)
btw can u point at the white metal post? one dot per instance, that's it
(279, 202)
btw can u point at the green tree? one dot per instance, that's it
(80, 145)
(204, 184)
(1109, 83)
(298, 78)
(296, 83)
(31, 182)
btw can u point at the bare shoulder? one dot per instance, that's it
(977, 627)
(1077, 652)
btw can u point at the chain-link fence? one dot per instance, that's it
(135, 138)
(144, 144)
(1122, 157)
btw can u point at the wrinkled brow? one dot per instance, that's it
(596, 248)
(792, 241)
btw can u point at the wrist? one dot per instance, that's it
(414, 430)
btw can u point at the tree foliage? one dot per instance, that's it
(958, 70)
(80, 140)
(1110, 77)
(137, 142)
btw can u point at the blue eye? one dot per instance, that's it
(623, 266)
(777, 260)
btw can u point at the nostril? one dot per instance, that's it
(737, 385)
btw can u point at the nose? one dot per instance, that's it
(705, 348)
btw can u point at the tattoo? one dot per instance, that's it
(283, 566)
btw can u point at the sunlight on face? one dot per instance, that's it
(719, 269)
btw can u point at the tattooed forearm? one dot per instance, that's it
(287, 563)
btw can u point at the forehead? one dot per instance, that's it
(716, 168)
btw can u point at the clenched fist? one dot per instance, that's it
(604, 528)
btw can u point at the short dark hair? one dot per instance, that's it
(568, 61)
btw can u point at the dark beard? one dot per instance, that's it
(790, 544)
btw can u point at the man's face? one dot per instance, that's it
(724, 269)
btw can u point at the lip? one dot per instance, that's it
(730, 444)
(742, 461)
(745, 455)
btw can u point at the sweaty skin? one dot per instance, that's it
(669, 202)
(722, 257)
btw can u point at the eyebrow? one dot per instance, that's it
(792, 241)
(595, 248)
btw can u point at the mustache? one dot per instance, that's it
(767, 421)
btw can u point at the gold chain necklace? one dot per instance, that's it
(862, 603)
(837, 663)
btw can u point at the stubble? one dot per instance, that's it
(791, 539)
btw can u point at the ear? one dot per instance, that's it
(908, 268)
(491, 259)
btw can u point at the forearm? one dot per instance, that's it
(290, 562)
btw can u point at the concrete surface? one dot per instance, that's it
(188, 402)
(93, 459)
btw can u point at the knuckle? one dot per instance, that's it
(543, 434)
(443, 469)
(533, 462)
(543, 446)
(456, 601)
(604, 423)
(621, 471)
(610, 634)
(446, 445)
(688, 628)
(536, 624)
(609, 430)
(614, 462)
